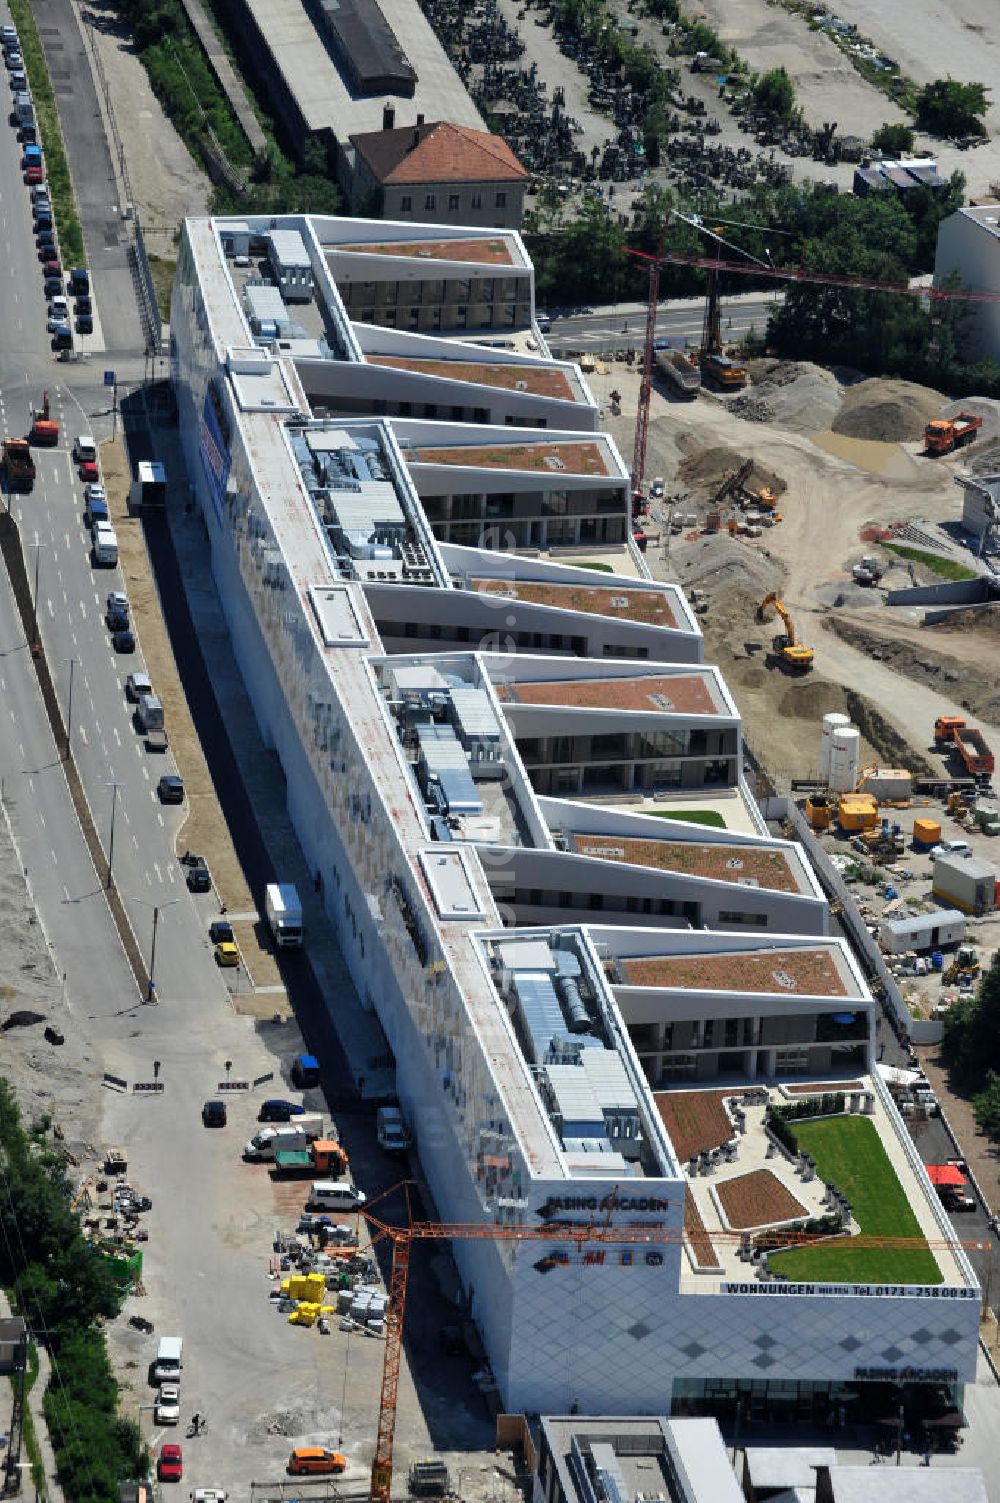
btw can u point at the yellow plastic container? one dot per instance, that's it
(926, 831)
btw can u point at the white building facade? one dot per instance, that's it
(416, 786)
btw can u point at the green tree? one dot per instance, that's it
(971, 1043)
(775, 92)
(948, 108)
(986, 1105)
(893, 139)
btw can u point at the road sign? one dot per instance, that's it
(147, 1085)
(234, 1085)
(109, 378)
(263, 1079)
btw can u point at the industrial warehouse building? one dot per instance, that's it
(598, 971)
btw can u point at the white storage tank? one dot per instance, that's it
(835, 721)
(889, 785)
(845, 758)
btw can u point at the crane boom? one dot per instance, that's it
(821, 278)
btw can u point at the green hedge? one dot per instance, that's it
(49, 135)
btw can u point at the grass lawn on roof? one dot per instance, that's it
(692, 816)
(848, 1153)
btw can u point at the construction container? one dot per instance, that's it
(986, 815)
(819, 812)
(965, 882)
(835, 721)
(845, 758)
(857, 811)
(890, 785)
(927, 931)
(926, 832)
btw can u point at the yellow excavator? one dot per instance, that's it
(792, 653)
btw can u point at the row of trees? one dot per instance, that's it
(971, 1048)
(64, 1286)
(883, 238)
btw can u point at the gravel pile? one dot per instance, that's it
(890, 412)
(794, 394)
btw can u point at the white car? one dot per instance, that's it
(656, 489)
(952, 848)
(168, 1404)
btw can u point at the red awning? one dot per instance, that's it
(945, 1174)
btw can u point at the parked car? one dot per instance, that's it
(227, 956)
(124, 640)
(89, 470)
(315, 1461)
(220, 931)
(116, 611)
(171, 788)
(168, 1404)
(84, 305)
(213, 1114)
(84, 324)
(170, 1466)
(13, 59)
(8, 37)
(952, 848)
(198, 878)
(34, 174)
(136, 685)
(277, 1109)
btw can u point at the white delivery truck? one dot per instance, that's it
(284, 914)
(286, 1137)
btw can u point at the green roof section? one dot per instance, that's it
(848, 1153)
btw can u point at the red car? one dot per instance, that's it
(34, 175)
(170, 1467)
(51, 267)
(89, 470)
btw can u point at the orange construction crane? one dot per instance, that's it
(581, 1234)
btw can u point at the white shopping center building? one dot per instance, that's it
(522, 789)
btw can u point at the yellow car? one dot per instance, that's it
(226, 954)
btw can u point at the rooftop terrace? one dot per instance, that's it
(536, 379)
(579, 457)
(746, 865)
(737, 1184)
(807, 971)
(648, 607)
(486, 252)
(685, 694)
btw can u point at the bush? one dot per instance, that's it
(948, 108)
(775, 92)
(893, 139)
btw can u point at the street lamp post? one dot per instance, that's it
(150, 990)
(69, 710)
(111, 838)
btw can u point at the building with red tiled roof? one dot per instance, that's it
(437, 173)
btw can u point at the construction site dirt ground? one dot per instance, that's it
(828, 501)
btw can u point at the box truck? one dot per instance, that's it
(284, 914)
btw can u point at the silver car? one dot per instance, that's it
(168, 1404)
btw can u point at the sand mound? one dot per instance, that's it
(795, 394)
(987, 619)
(890, 412)
(706, 469)
(724, 563)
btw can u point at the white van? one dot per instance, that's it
(149, 712)
(167, 1368)
(104, 544)
(334, 1195)
(85, 450)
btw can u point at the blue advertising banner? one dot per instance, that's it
(215, 455)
